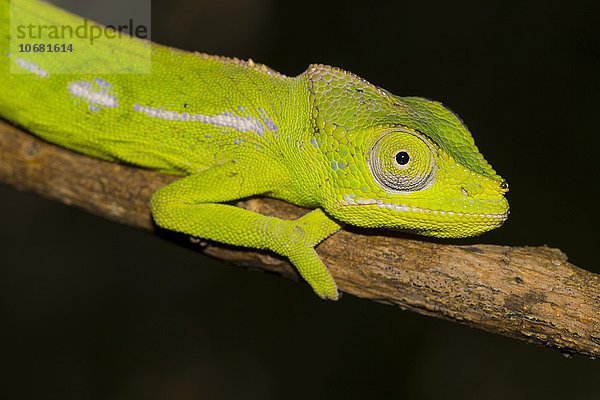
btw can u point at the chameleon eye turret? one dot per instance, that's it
(402, 162)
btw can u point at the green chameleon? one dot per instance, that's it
(327, 140)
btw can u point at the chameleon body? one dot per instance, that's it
(326, 140)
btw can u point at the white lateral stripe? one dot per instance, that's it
(31, 67)
(96, 96)
(226, 119)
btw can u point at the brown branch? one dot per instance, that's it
(527, 293)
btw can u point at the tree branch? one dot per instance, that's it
(527, 293)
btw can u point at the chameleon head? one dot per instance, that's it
(403, 179)
(409, 163)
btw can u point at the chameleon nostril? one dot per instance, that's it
(504, 185)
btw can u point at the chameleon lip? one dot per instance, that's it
(349, 201)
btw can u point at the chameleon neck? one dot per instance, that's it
(170, 119)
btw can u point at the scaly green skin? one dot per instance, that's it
(326, 140)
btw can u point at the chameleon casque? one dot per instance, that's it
(326, 140)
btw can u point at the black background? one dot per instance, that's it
(90, 309)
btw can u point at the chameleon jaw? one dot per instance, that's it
(350, 201)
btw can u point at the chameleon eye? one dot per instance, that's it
(408, 170)
(402, 158)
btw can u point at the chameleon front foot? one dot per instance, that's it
(304, 234)
(309, 265)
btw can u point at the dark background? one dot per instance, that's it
(90, 309)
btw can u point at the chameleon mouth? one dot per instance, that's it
(349, 201)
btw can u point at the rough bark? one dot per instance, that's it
(527, 293)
